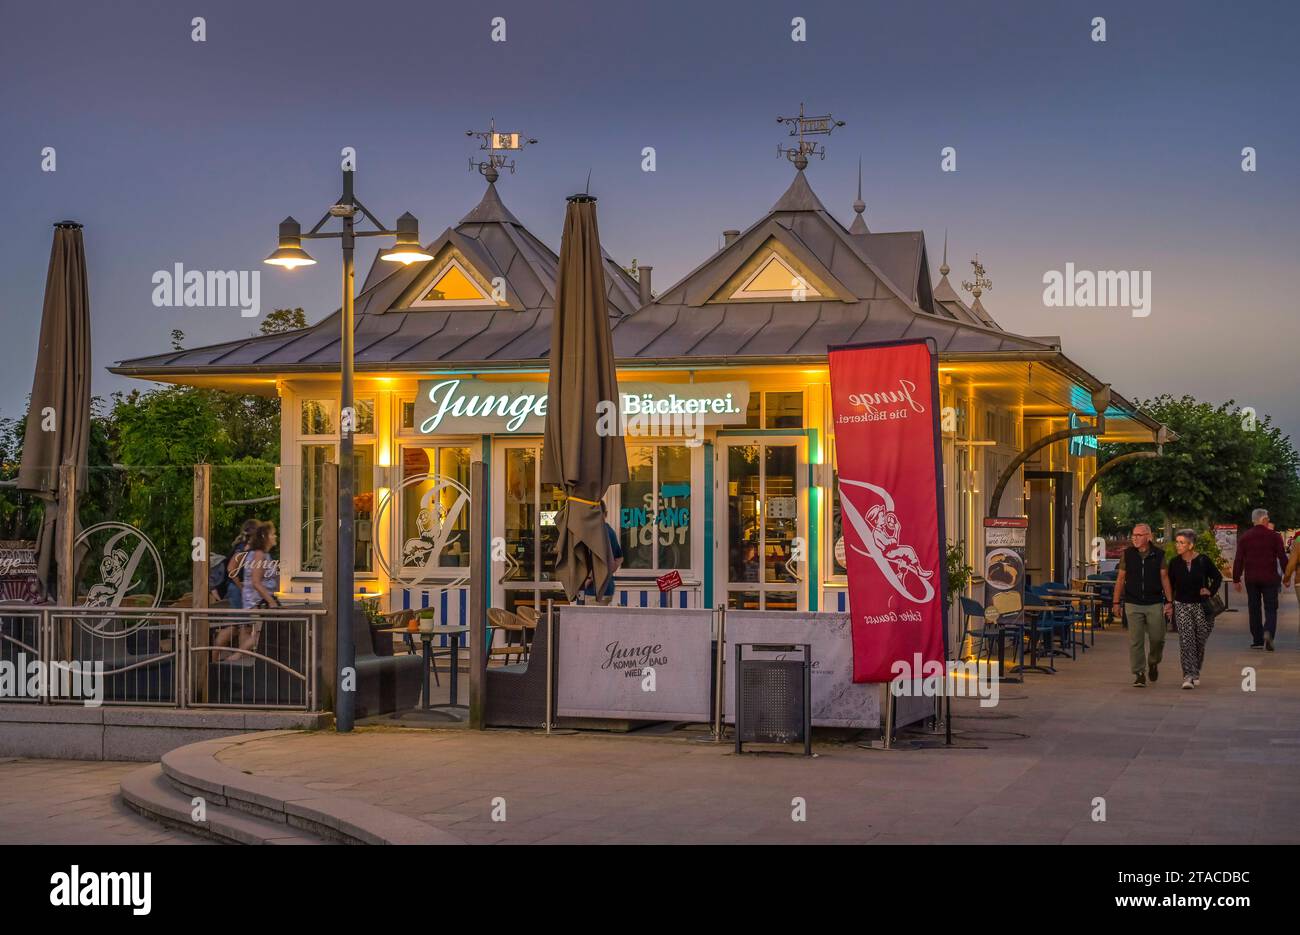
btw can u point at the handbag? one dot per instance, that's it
(1212, 605)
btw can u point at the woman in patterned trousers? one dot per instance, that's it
(1194, 579)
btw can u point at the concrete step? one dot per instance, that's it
(149, 792)
(195, 769)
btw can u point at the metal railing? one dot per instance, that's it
(175, 657)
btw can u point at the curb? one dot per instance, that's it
(195, 770)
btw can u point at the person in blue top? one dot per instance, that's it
(615, 550)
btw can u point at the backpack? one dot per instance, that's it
(218, 580)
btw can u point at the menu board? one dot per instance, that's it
(1004, 563)
(1225, 534)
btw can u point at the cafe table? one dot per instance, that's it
(1089, 597)
(1033, 666)
(426, 635)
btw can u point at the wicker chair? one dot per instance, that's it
(516, 695)
(530, 616)
(515, 630)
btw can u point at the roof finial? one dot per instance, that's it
(944, 269)
(859, 225)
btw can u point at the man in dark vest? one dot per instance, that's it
(1259, 552)
(1143, 587)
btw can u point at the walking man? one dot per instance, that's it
(1143, 586)
(1260, 555)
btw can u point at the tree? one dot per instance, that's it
(1280, 486)
(284, 319)
(1221, 466)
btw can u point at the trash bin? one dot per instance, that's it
(774, 696)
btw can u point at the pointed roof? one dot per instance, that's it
(798, 197)
(490, 210)
(868, 299)
(948, 299)
(489, 243)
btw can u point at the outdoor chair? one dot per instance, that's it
(529, 616)
(385, 682)
(985, 634)
(516, 694)
(514, 632)
(1104, 586)
(1059, 622)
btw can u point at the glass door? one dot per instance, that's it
(762, 551)
(523, 517)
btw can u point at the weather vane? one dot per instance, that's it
(498, 146)
(981, 282)
(802, 126)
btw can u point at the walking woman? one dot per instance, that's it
(260, 575)
(1194, 579)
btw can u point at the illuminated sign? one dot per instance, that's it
(482, 407)
(1082, 446)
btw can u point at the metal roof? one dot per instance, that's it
(494, 243)
(872, 287)
(873, 296)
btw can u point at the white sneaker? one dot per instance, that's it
(1187, 683)
(1196, 683)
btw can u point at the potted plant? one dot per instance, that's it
(426, 620)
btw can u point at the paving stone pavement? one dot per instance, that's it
(1213, 765)
(73, 802)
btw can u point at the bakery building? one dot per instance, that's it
(724, 390)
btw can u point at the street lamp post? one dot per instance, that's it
(291, 255)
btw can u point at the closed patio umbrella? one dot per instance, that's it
(576, 456)
(58, 418)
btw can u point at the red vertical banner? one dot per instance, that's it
(885, 406)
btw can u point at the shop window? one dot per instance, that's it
(783, 410)
(363, 504)
(407, 420)
(314, 458)
(320, 417)
(654, 517)
(775, 409)
(435, 510)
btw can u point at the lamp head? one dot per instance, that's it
(407, 249)
(290, 253)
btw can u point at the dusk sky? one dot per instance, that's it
(1115, 155)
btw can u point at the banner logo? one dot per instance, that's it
(122, 562)
(880, 531)
(436, 528)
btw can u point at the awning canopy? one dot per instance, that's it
(1046, 386)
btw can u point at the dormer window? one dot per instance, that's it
(454, 284)
(775, 279)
